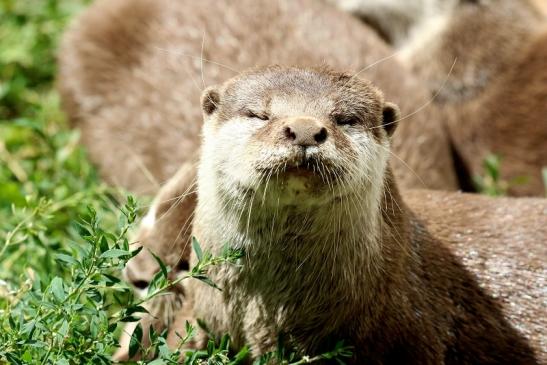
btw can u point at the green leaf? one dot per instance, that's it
(103, 244)
(135, 309)
(57, 289)
(157, 362)
(210, 347)
(158, 281)
(114, 253)
(111, 279)
(66, 258)
(206, 280)
(136, 251)
(63, 330)
(135, 341)
(224, 342)
(27, 356)
(161, 264)
(492, 166)
(94, 295)
(197, 248)
(241, 356)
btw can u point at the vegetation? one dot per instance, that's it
(63, 233)
(491, 183)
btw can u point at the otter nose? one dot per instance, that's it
(305, 132)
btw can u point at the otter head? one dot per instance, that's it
(293, 138)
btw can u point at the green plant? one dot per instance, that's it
(64, 319)
(491, 183)
(29, 33)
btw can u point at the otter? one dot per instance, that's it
(131, 72)
(485, 46)
(294, 171)
(500, 240)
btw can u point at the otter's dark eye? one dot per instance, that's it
(251, 114)
(140, 284)
(183, 266)
(345, 120)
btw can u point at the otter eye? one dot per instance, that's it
(345, 120)
(183, 266)
(140, 284)
(251, 114)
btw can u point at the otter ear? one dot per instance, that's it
(390, 116)
(210, 99)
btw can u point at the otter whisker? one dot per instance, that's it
(181, 53)
(406, 165)
(366, 68)
(142, 166)
(426, 104)
(201, 60)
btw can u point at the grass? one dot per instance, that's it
(63, 233)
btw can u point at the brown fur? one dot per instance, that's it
(168, 237)
(499, 107)
(491, 51)
(502, 242)
(499, 240)
(130, 78)
(379, 278)
(510, 119)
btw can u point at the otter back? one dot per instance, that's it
(131, 72)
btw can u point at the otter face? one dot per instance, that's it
(295, 136)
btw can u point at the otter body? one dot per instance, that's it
(131, 72)
(501, 241)
(331, 250)
(485, 64)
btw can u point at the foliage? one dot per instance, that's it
(491, 182)
(29, 32)
(66, 319)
